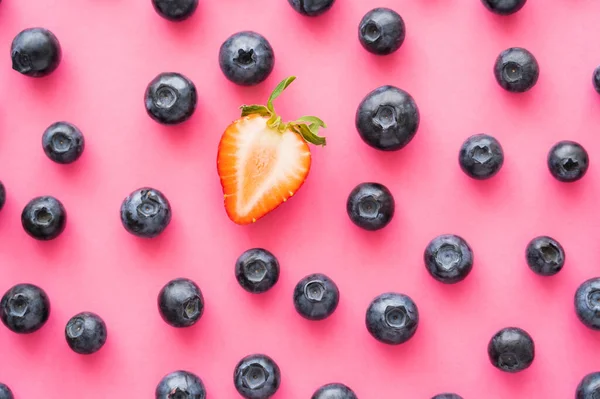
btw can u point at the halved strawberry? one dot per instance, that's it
(262, 161)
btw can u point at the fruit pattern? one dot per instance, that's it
(262, 161)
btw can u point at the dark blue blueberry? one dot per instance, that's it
(504, 7)
(587, 303)
(181, 385)
(387, 118)
(25, 308)
(589, 387)
(180, 303)
(511, 349)
(334, 391)
(371, 206)
(311, 8)
(35, 52)
(596, 79)
(516, 70)
(5, 392)
(257, 270)
(63, 142)
(170, 98)
(246, 58)
(448, 258)
(44, 218)
(146, 212)
(316, 297)
(381, 31)
(175, 10)
(568, 161)
(86, 333)
(257, 377)
(447, 396)
(481, 156)
(545, 256)
(2, 195)
(392, 318)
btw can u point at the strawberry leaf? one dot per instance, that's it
(312, 120)
(255, 109)
(278, 90)
(309, 134)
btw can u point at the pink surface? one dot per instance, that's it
(112, 49)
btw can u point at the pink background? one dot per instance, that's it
(113, 48)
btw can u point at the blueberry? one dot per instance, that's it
(516, 70)
(481, 156)
(180, 303)
(589, 387)
(370, 206)
(381, 31)
(545, 256)
(246, 58)
(316, 297)
(568, 161)
(587, 303)
(392, 318)
(447, 396)
(63, 142)
(5, 392)
(170, 98)
(448, 258)
(180, 385)
(25, 308)
(387, 118)
(175, 10)
(504, 7)
(86, 333)
(44, 218)
(596, 79)
(334, 391)
(35, 52)
(257, 377)
(2, 195)
(311, 8)
(146, 212)
(257, 270)
(511, 349)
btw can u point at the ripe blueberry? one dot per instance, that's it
(257, 270)
(447, 396)
(596, 79)
(516, 70)
(511, 349)
(2, 195)
(448, 258)
(381, 31)
(5, 392)
(180, 385)
(589, 387)
(387, 118)
(587, 303)
(246, 58)
(63, 142)
(334, 391)
(504, 7)
(568, 161)
(170, 98)
(86, 333)
(146, 212)
(175, 10)
(180, 303)
(481, 156)
(257, 377)
(545, 256)
(35, 52)
(392, 318)
(316, 297)
(370, 206)
(24, 308)
(44, 218)
(311, 8)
